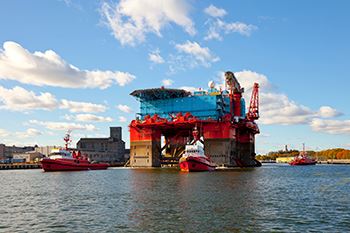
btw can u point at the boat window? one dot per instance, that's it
(56, 153)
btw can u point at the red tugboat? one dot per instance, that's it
(194, 159)
(302, 159)
(65, 160)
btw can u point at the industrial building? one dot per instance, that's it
(111, 149)
(6, 152)
(45, 150)
(167, 118)
(29, 157)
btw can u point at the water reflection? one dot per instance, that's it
(272, 198)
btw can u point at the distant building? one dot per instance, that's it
(8, 151)
(30, 156)
(284, 159)
(127, 154)
(111, 149)
(45, 150)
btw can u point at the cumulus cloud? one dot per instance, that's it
(124, 108)
(48, 68)
(218, 27)
(28, 133)
(167, 82)
(196, 54)
(213, 11)
(122, 119)
(63, 126)
(20, 99)
(4, 133)
(277, 108)
(331, 126)
(155, 57)
(327, 112)
(88, 118)
(247, 79)
(190, 89)
(131, 20)
(86, 107)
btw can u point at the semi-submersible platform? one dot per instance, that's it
(167, 118)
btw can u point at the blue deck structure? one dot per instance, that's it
(211, 104)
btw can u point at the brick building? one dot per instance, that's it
(111, 149)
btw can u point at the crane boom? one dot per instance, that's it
(253, 112)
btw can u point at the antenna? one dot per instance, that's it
(67, 138)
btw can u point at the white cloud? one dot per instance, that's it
(190, 89)
(73, 4)
(199, 55)
(122, 119)
(213, 11)
(124, 108)
(63, 126)
(4, 133)
(279, 109)
(86, 107)
(327, 112)
(218, 27)
(275, 108)
(331, 126)
(131, 20)
(20, 99)
(155, 57)
(247, 79)
(16, 138)
(167, 82)
(48, 68)
(29, 133)
(88, 118)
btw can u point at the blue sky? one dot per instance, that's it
(72, 64)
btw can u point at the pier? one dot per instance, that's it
(10, 166)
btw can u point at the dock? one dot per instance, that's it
(10, 166)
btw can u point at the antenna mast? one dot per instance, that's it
(67, 139)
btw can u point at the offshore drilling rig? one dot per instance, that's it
(167, 118)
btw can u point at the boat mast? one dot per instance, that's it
(67, 139)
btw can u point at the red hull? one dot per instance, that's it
(303, 161)
(70, 165)
(191, 164)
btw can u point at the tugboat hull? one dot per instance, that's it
(302, 161)
(70, 165)
(196, 164)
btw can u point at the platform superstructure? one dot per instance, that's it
(167, 118)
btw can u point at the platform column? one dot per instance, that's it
(145, 147)
(246, 148)
(220, 142)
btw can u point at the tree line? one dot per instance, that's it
(337, 153)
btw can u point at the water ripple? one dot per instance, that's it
(273, 198)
